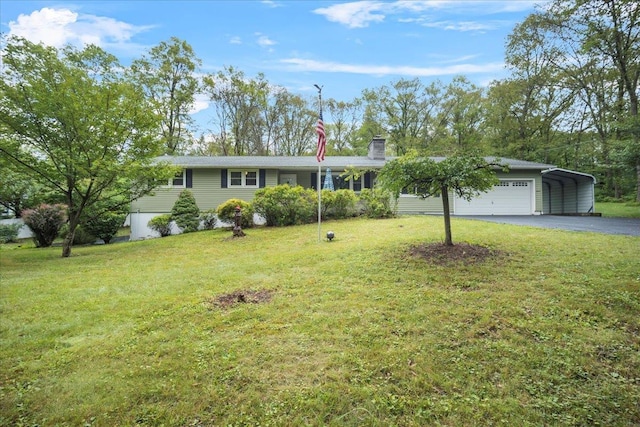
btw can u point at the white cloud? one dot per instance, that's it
(57, 27)
(271, 3)
(235, 40)
(354, 15)
(360, 14)
(200, 103)
(264, 41)
(297, 64)
(464, 26)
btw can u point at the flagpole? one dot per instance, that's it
(319, 158)
(319, 205)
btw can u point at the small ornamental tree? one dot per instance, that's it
(185, 212)
(45, 222)
(465, 175)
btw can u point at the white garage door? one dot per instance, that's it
(510, 197)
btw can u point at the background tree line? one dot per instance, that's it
(80, 126)
(571, 100)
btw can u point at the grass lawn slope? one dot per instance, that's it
(370, 329)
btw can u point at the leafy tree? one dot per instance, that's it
(346, 118)
(461, 119)
(408, 110)
(294, 125)
(167, 75)
(185, 212)
(239, 103)
(593, 46)
(70, 119)
(18, 191)
(463, 174)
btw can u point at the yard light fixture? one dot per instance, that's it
(330, 235)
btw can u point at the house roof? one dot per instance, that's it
(310, 162)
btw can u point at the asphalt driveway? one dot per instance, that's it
(596, 224)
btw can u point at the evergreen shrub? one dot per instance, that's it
(185, 212)
(161, 224)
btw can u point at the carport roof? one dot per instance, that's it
(565, 174)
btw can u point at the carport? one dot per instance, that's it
(566, 192)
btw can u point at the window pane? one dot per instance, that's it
(357, 184)
(178, 180)
(236, 178)
(251, 179)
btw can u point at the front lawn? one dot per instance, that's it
(278, 329)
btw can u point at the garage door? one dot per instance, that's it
(510, 197)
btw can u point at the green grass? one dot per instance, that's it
(619, 209)
(357, 333)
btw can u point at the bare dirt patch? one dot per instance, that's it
(243, 296)
(460, 253)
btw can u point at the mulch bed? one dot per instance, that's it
(245, 296)
(459, 253)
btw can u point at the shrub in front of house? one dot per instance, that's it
(161, 224)
(284, 205)
(227, 212)
(185, 212)
(45, 222)
(105, 225)
(208, 219)
(338, 204)
(9, 232)
(376, 203)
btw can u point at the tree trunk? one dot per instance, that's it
(67, 243)
(447, 217)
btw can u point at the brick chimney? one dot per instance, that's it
(376, 148)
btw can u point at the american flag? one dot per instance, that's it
(322, 139)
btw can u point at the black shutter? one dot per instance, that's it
(263, 178)
(314, 180)
(367, 180)
(189, 178)
(223, 178)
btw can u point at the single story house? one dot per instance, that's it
(528, 188)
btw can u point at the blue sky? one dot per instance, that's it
(344, 46)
